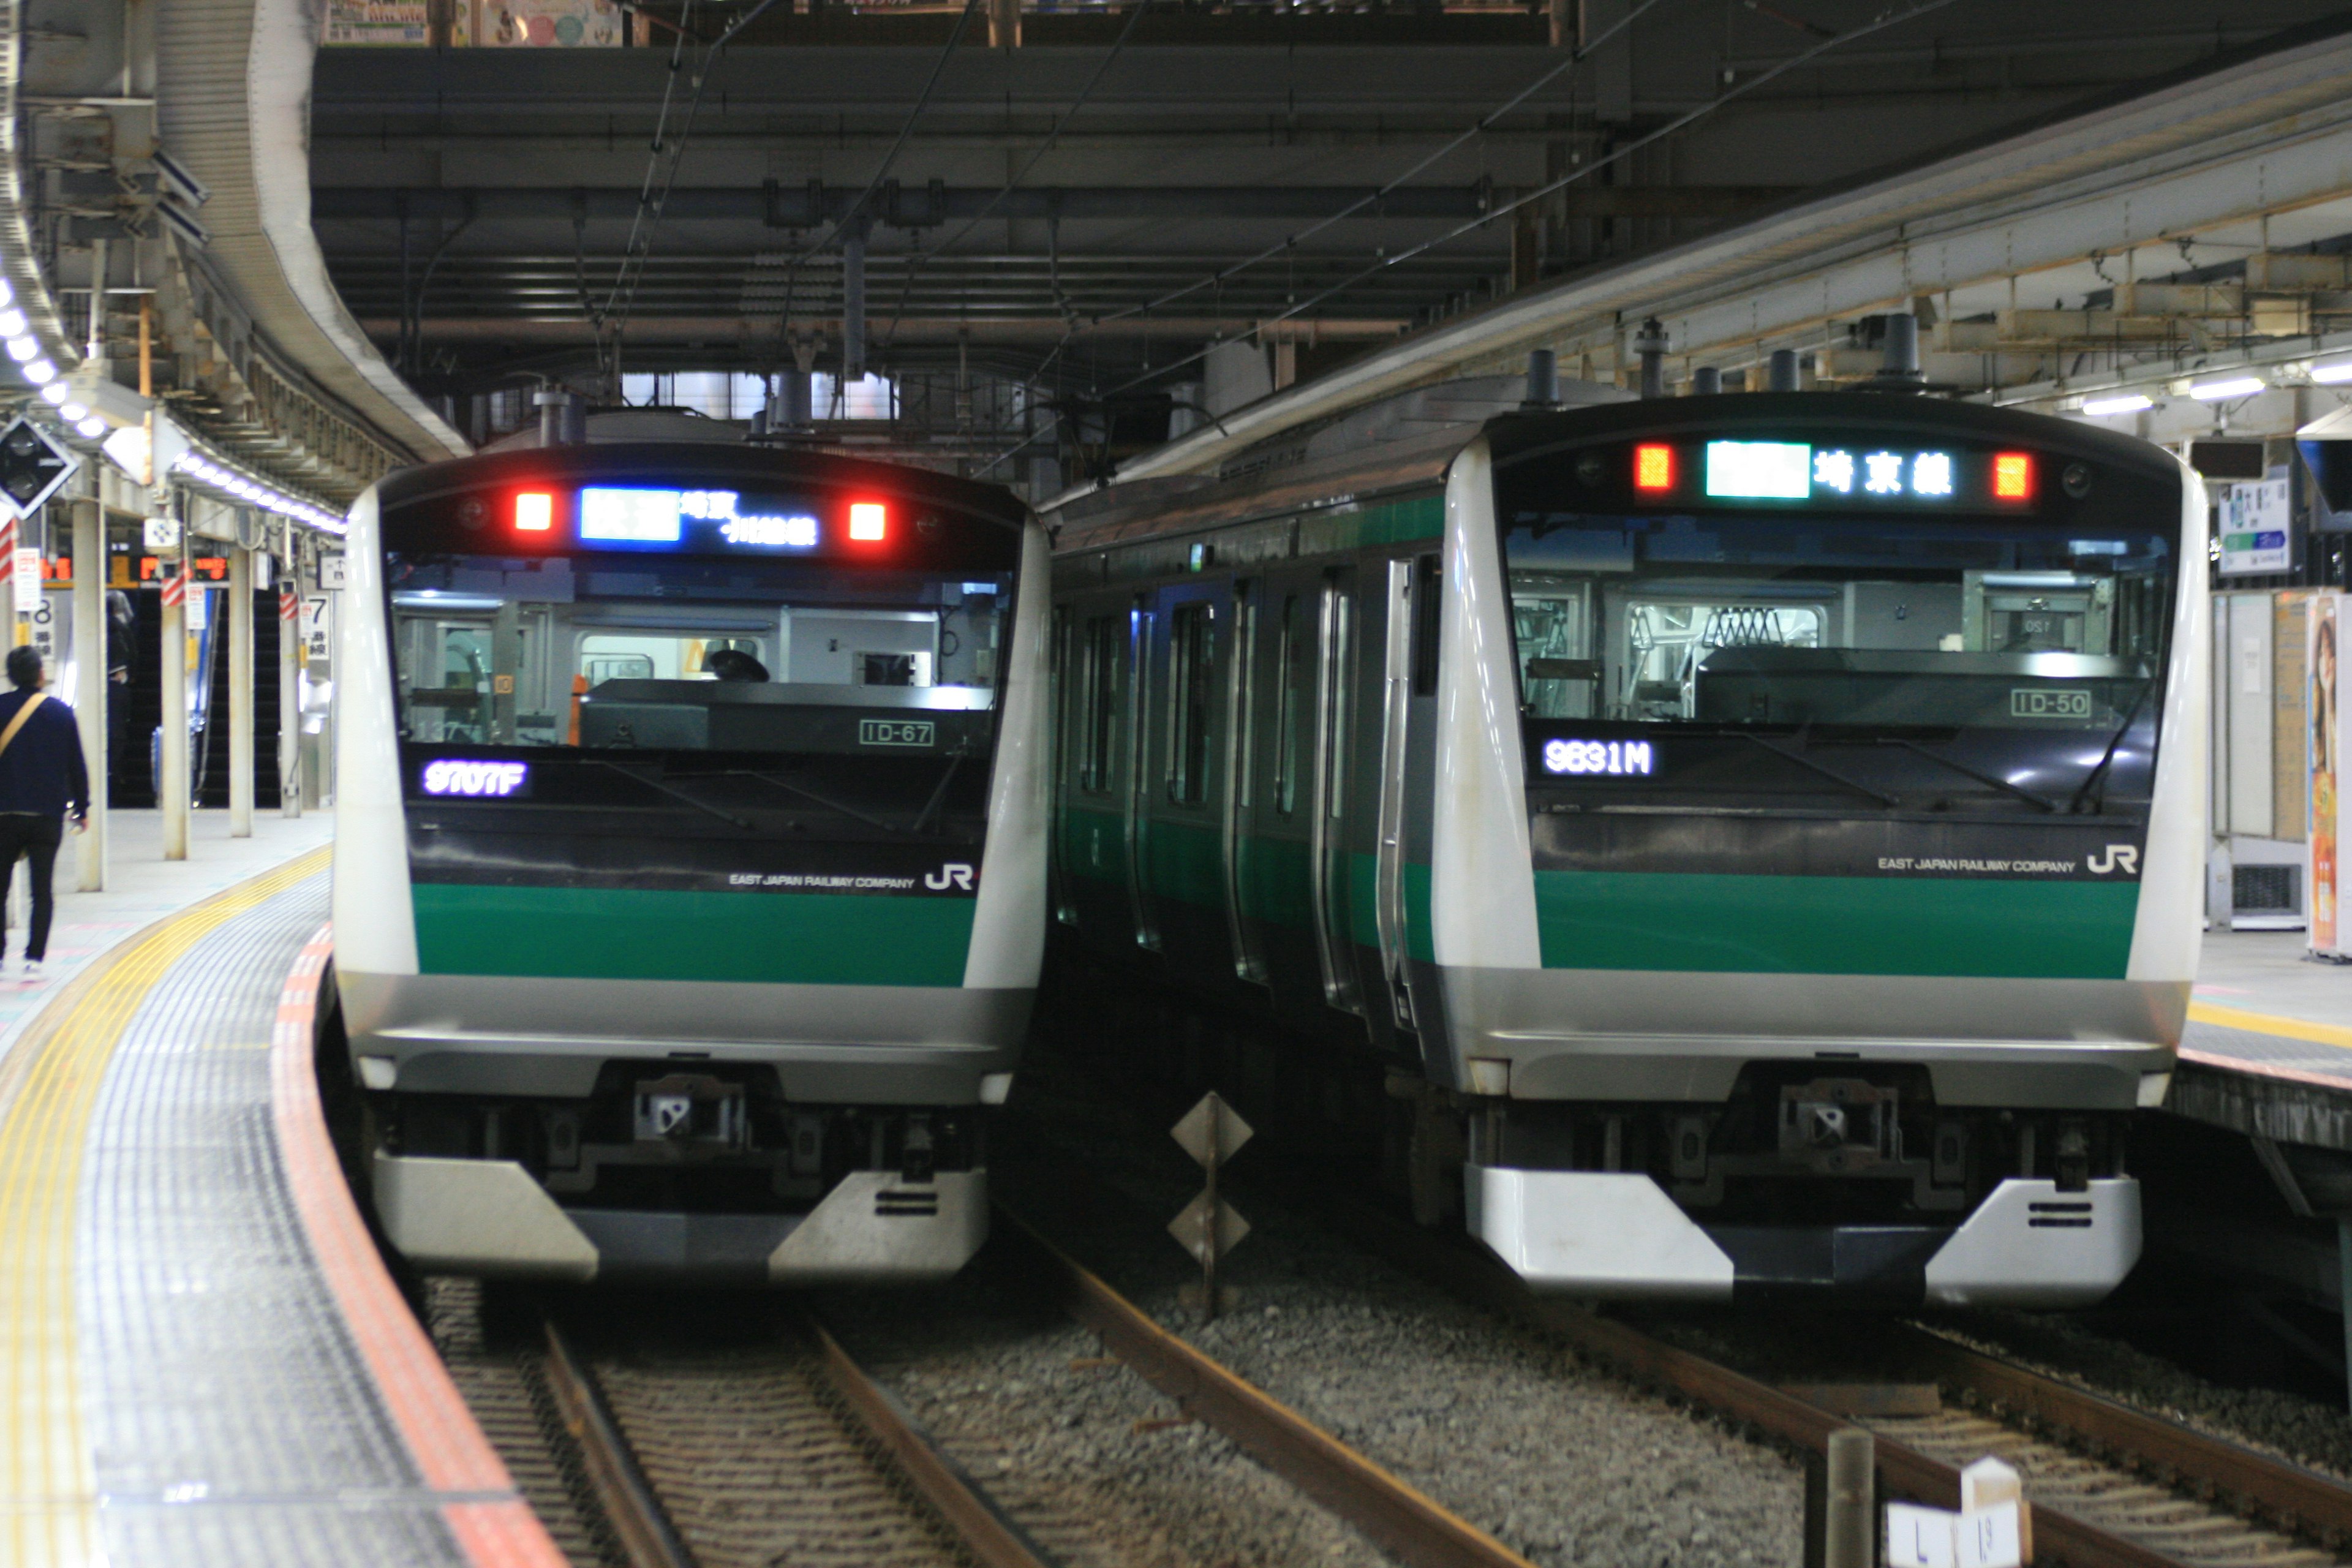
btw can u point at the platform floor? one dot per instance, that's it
(201, 1360)
(2263, 1004)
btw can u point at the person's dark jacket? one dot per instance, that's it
(42, 772)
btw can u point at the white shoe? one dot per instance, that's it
(33, 971)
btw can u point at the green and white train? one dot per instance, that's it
(1758, 836)
(689, 873)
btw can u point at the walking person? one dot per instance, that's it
(42, 783)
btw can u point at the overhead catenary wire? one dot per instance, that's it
(661, 170)
(1053, 137)
(1877, 24)
(857, 209)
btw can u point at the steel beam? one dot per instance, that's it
(780, 206)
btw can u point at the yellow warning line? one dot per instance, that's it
(2271, 1024)
(48, 1086)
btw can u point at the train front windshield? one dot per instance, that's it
(1806, 647)
(748, 687)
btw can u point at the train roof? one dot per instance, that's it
(701, 465)
(1373, 453)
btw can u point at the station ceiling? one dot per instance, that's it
(1093, 207)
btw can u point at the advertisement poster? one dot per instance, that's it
(547, 23)
(2326, 742)
(377, 22)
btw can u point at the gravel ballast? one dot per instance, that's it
(1560, 1460)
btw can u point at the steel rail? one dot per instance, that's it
(633, 1509)
(1395, 1516)
(2294, 1498)
(984, 1528)
(622, 1491)
(2059, 1537)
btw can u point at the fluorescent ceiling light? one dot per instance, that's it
(55, 393)
(40, 373)
(73, 413)
(2236, 386)
(91, 428)
(2329, 374)
(2130, 403)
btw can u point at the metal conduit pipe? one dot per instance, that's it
(1649, 347)
(853, 304)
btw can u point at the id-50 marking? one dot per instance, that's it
(49, 1085)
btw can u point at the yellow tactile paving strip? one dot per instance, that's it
(49, 1084)
(2271, 1024)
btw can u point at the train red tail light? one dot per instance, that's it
(869, 521)
(2012, 475)
(534, 511)
(1654, 466)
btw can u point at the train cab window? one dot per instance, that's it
(1191, 655)
(728, 692)
(1826, 656)
(1289, 707)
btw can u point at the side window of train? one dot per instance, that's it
(1098, 701)
(1190, 658)
(1427, 602)
(1290, 671)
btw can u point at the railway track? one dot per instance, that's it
(669, 1445)
(2113, 1486)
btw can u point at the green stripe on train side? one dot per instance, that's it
(1835, 925)
(645, 934)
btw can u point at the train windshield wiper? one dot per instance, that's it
(2097, 777)
(1828, 772)
(698, 804)
(814, 797)
(1990, 781)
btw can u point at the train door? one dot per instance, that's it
(1396, 703)
(1062, 735)
(1331, 884)
(1238, 820)
(1135, 798)
(1092, 842)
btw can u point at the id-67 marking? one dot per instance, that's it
(894, 732)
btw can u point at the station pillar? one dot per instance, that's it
(240, 692)
(173, 785)
(289, 676)
(89, 692)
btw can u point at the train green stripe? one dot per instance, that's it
(640, 933)
(1185, 862)
(1835, 925)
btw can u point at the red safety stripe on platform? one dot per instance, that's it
(2341, 1085)
(452, 1455)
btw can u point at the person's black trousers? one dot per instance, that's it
(37, 839)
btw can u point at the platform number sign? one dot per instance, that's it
(32, 465)
(318, 627)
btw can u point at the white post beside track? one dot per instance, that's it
(290, 670)
(91, 693)
(172, 784)
(239, 611)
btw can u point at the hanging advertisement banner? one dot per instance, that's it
(547, 23)
(2324, 726)
(397, 23)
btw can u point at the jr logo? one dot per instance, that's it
(954, 874)
(2115, 858)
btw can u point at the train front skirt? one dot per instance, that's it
(2030, 1244)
